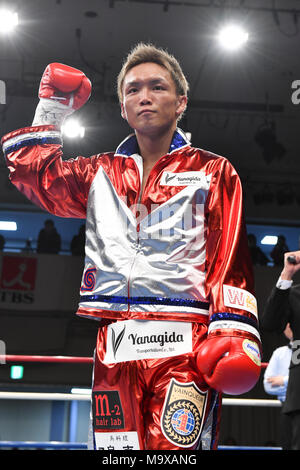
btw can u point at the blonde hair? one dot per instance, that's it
(142, 53)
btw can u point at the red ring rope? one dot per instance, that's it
(56, 359)
(62, 359)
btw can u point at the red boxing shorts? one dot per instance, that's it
(147, 392)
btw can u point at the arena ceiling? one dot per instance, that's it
(243, 105)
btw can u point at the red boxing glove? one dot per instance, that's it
(63, 89)
(230, 364)
(65, 84)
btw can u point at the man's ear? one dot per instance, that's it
(181, 105)
(123, 114)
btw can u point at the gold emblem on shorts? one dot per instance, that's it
(183, 412)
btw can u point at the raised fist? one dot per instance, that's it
(62, 90)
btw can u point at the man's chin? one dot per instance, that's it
(154, 130)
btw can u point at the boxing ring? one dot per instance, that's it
(77, 397)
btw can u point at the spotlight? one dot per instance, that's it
(232, 37)
(8, 21)
(73, 129)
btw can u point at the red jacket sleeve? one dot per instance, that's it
(36, 168)
(229, 273)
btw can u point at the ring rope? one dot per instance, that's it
(86, 397)
(53, 396)
(62, 359)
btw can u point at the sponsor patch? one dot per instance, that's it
(107, 410)
(117, 440)
(183, 413)
(252, 350)
(133, 340)
(239, 298)
(188, 178)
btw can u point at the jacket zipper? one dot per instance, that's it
(140, 173)
(139, 170)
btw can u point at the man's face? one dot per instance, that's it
(150, 102)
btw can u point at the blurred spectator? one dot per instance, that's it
(28, 248)
(275, 382)
(78, 242)
(257, 255)
(2, 242)
(49, 240)
(277, 254)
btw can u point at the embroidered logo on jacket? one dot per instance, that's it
(187, 178)
(183, 413)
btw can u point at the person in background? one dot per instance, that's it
(78, 242)
(277, 254)
(28, 246)
(282, 308)
(49, 240)
(276, 378)
(257, 255)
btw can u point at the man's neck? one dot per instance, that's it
(153, 147)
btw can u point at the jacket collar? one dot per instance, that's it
(129, 146)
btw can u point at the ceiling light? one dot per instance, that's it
(73, 129)
(9, 226)
(269, 240)
(8, 21)
(232, 37)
